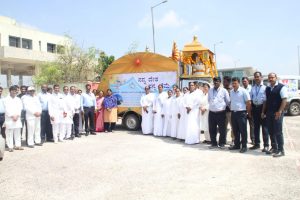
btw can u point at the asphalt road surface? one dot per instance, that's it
(128, 165)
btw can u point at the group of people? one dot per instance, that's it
(52, 116)
(201, 109)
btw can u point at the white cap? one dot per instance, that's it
(30, 88)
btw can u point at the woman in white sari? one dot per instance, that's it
(147, 114)
(157, 109)
(204, 113)
(182, 115)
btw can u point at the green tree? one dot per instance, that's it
(73, 64)
(50, 73)
(103, 62)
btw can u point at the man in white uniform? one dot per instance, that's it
(67, 120)
(13, 107)
(192, 121)
(33, 108)
(167, 114)
(56, 112)
(76, 117)
(157, 109)
(147, 112)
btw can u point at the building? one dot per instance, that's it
(22, 48)
(237, 72)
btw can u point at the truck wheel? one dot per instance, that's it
(294, 108)
(132, 122)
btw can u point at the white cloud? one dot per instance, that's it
(225, 60)
(240, 42)
(194, 30)
(169, 20)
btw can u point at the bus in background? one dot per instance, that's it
(292, 82)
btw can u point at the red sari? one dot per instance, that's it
(99, 115)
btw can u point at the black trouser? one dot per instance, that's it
(109, 126)
(2, 120)
(239, 127)
(46, 128)
(217, 119)
(24, 123)
(259, 122)
(275, 130)
(89, 122)
(251, 126)
(75, 128)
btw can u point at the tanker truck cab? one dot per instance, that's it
(292, 82)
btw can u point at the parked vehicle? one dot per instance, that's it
(128, 76)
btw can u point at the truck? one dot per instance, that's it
(127, 78)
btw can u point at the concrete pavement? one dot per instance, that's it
(128, 165)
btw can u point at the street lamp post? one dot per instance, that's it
(153, 35)
(235, 62)
(215, 50)
(299, 59)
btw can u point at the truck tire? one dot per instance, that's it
(131, 122)
(294, 108)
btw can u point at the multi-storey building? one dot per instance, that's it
(22, 48)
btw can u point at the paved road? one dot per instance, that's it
(128, 165)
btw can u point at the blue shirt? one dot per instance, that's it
(239, 99)
(44, 99)
(88, 100)
(2, 108)
(218, 99)
(258, 94)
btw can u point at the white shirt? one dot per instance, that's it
(32, 105)
(13, 107)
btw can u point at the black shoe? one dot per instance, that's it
(243, 150)
(93, 133)
(86, 134)
(234, 148)
(78, 136)
(30, 146)
(254, 147)
(204, 142)
(271, 151)
(39, 144)
(222, 146)
(279, 154)
(1, 159)
(208, 142)
(213, 146)
(265, 149)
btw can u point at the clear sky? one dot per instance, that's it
(259, 33)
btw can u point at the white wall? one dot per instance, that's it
(9, 27)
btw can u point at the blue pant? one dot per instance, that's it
(275, 130)
(239, 127)
(259, 122)
(46, 128)
(89, 113)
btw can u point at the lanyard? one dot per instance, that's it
(215, 95)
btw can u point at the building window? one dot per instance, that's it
(51, 48)
(26, 43)
(14, 41)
